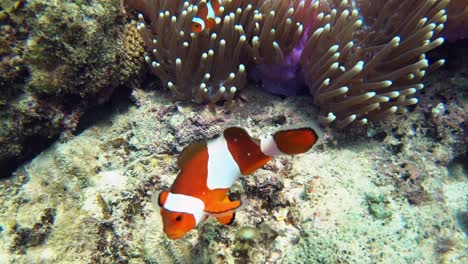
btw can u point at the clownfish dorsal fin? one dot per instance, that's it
(202, 10)
(245, 150)
(190, 151)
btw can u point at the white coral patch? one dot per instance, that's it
(114, 179)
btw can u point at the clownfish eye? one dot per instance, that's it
(178, 218)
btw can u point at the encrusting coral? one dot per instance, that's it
(133, 45)
(361, 60)
(69, 52)
(13, 35)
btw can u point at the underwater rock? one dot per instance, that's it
(29, 237)
(28, 125)
(59, 59)
(72, 47)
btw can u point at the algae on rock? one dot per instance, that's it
(72, 49)
(60, 58)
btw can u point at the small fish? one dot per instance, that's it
(206, 16)
(209, 168)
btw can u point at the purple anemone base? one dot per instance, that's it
(282, 79)
(279, 79)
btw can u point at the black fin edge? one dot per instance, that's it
(232, 219)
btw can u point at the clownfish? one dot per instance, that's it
(209, 168)
(206, 15)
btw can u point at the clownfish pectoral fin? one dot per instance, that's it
(189, 152)
(210, 23)
(155, 199)
(226, 219)
(222, 208)
(295, 141)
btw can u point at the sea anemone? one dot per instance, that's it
(192, 66)
(211, 65)
(361, 60)
(283, 75)
(457, 23)
(365, 61)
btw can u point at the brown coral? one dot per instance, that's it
(133, 56)
(73, 49)
(366, 62)
(13, 35)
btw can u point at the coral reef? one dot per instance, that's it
(397, 193)
(13, 34)
(70, 51)
(28, 123)
(59, 59)
(78, 60)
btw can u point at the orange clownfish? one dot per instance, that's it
(209, 168)
(206, 15)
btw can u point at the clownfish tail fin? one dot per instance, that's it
(293, 140)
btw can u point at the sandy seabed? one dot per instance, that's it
(383, 194)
